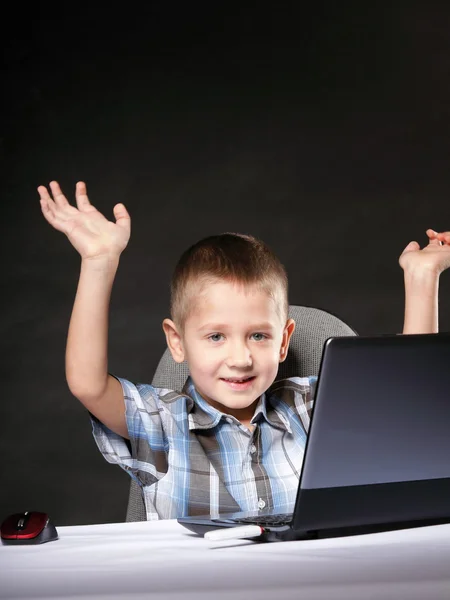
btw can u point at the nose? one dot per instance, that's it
(239, 356)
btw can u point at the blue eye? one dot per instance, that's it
(258, 337)
(215, 337)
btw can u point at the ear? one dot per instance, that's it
(287, 333)
(174, 340)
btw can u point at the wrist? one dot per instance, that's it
(421, 277)
(422, 284)
(103, 263)
(422, 271)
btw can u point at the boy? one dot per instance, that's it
(230, 440)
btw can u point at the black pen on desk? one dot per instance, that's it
(234, 533)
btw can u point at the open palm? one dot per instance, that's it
(90, 233)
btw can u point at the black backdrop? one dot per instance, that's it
(322, 129)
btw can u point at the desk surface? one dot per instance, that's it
(163, 560)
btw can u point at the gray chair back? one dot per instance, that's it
(313, 327)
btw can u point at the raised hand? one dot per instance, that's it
(434, 257)
(90, 233)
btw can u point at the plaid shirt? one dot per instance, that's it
(191, 459)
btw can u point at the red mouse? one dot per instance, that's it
(28, 527)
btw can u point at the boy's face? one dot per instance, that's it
(233, 341)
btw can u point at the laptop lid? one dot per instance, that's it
(378, 450)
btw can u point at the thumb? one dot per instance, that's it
(411, 247)
(122, 217)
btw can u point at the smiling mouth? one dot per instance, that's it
(239, 384)
(238, 380)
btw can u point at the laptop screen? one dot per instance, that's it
(382, 412)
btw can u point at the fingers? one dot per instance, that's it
(47, 205)
(122, 217)
(58, 197)
(44, 196)
(438, 238)
(81, 197)
(444, 237)
(51, 205)
(55, 209)
(432, 236)
(59, 200)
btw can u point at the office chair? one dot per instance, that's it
(313, 327)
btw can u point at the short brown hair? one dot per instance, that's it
(233, 257)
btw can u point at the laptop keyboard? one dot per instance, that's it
(266, 519)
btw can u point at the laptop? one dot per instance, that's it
(377, 455)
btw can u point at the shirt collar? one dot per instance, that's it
(202, 415)
(267, 409)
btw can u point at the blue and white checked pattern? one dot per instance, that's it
(191, 459)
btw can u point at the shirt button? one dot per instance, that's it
(261, 503)
(253, 448)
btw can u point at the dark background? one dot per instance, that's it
(321, 128)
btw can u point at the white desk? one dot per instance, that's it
(131, 561)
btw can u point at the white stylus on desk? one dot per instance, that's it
(234, 533)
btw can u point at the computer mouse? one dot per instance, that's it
(28, 527)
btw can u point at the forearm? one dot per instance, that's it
(87, 341)
(421, 302)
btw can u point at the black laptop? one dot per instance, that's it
(378, 450)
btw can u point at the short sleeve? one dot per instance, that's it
(144, 455)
